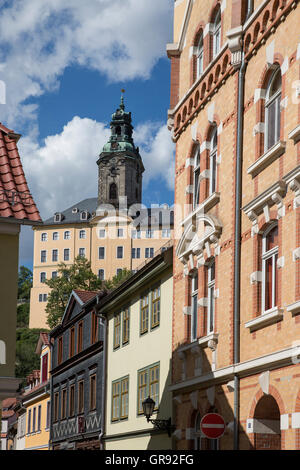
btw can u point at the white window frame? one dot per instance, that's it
(101, 232)
(45, 252)
(54, 261)
(266, 255)
(196, 178)
(213, 161)
(82, 255)
(67, 237)
(217, 34)
(210, 297)
(65, 249)
(55, 236)
(82, 234)
(44, 237)
(117, 252)
(199, 57)
(136, 253)
(270, 100)
(103, 252)
(101, 269)
(194, 305)
(43, 272)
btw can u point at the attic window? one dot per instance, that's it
(57, 217)
(84, 215)
(74, 210)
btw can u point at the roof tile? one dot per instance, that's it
(15, 198)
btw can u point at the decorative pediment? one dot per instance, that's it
(197, 236)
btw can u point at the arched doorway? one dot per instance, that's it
(267, 434)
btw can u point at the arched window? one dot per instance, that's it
(196, 189)
(217, 34)
(113, 191)
(213, 161)
(199, 57)
(272, 110)
(210, 297)
(269, 268)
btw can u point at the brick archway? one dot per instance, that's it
(266, 410)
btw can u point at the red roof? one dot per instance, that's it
(15, 198)
(8, 402)
(84, 295)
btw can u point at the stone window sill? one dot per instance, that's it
(294, 308)
(295, 134)
(268, 318)
(267, 158)
(209, 341)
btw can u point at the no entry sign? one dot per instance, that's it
(212, 425)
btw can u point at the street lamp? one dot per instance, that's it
(162, 424)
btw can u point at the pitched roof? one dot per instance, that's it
(85, 296)
(145, 217)
(72, 214)
(15, 198)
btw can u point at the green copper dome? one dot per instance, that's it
(121, 132)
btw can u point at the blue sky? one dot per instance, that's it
(64, 68)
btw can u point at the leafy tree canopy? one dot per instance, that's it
(24, 283)
(75, 276)
(26, 358)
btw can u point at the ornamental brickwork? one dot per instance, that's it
(235, 119)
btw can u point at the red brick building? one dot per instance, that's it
(235, 109)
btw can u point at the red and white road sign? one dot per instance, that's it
(212, 425)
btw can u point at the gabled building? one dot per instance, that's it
(138, 315)
(36, 402)
(17, 207)
(77, 378)
(113, 231)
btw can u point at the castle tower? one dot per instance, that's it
(120, 164)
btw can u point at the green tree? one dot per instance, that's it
(23, 315)
(26, 358)
(76, 276)
(24, 283)
(117, 279)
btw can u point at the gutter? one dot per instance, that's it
(237, 242)
(103, 322)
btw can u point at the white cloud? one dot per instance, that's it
(39, 39)
(63, 170)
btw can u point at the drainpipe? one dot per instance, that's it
(103, 322)
(237, 241)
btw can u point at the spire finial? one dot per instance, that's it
(122, 106)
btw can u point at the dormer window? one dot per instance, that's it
(83, 215)
(57, 217)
